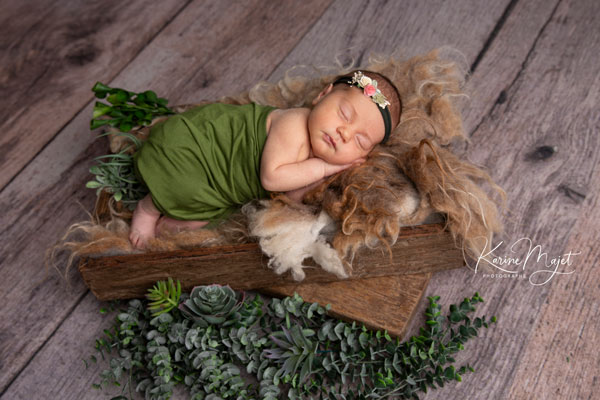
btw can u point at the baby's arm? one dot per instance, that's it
(298, 194)
(284, 162)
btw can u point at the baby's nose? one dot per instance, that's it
(344, 133)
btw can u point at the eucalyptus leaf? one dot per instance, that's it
(93, 184)
(302, 360)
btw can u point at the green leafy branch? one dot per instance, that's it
(292, 348)
(126, 109)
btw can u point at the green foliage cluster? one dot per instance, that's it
(293, 349)
(163, 296)
(125, 111)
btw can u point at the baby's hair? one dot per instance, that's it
(388, 89)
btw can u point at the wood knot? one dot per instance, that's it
(82, 55)
(542, 153)
(502, 97)
(571, 193)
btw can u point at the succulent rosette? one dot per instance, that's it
(212, 305)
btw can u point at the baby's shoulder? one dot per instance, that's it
(290, 123)
(288, 130)
(290, 118)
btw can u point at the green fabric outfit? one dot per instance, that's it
(205, 162)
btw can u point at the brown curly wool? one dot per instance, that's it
(372, 202)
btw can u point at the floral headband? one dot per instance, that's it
(369, 87)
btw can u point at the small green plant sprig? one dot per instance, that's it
(163, 296)
(115, 174)
(126, 110)
(293, 349)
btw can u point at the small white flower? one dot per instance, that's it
(365, 80)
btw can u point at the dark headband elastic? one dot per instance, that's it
(385, 112)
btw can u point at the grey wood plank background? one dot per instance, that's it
(534, 87)
(49, 50)
(549, 102)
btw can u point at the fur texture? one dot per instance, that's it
(290, 233)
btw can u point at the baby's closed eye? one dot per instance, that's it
(344, 114)
(363, 142)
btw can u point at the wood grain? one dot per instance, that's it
(42, 200)
(355, 30)
(419, 249)
(504, 59)
(548, 104)
(52, 55)
(386, 303)
(59, 371)
(562, 359)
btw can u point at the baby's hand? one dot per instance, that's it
(331, 169)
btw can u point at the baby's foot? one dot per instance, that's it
(166, 225)
(143, 224)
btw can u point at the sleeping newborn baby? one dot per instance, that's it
(202, 164)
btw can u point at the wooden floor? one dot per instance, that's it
(532, 117)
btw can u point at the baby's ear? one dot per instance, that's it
(323, 93)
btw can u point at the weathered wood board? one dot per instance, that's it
(419, 249)
(539, 138)
(53, 53)
(382, 291)
(384, 303)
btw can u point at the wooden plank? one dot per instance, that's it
(40, 202)
(59, 371)
(53, 52)
(386, 303)
(405, 28)
(562, 358)
(503, 61)
(551, 102)
(419, 249)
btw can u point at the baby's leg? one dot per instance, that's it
(143, 223)
(170, 225)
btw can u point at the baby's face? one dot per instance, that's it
(344, 125)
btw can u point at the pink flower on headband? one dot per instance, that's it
(369, 87)
(370, 90)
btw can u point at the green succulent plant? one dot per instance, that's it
(293, 349)
(212, 305)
